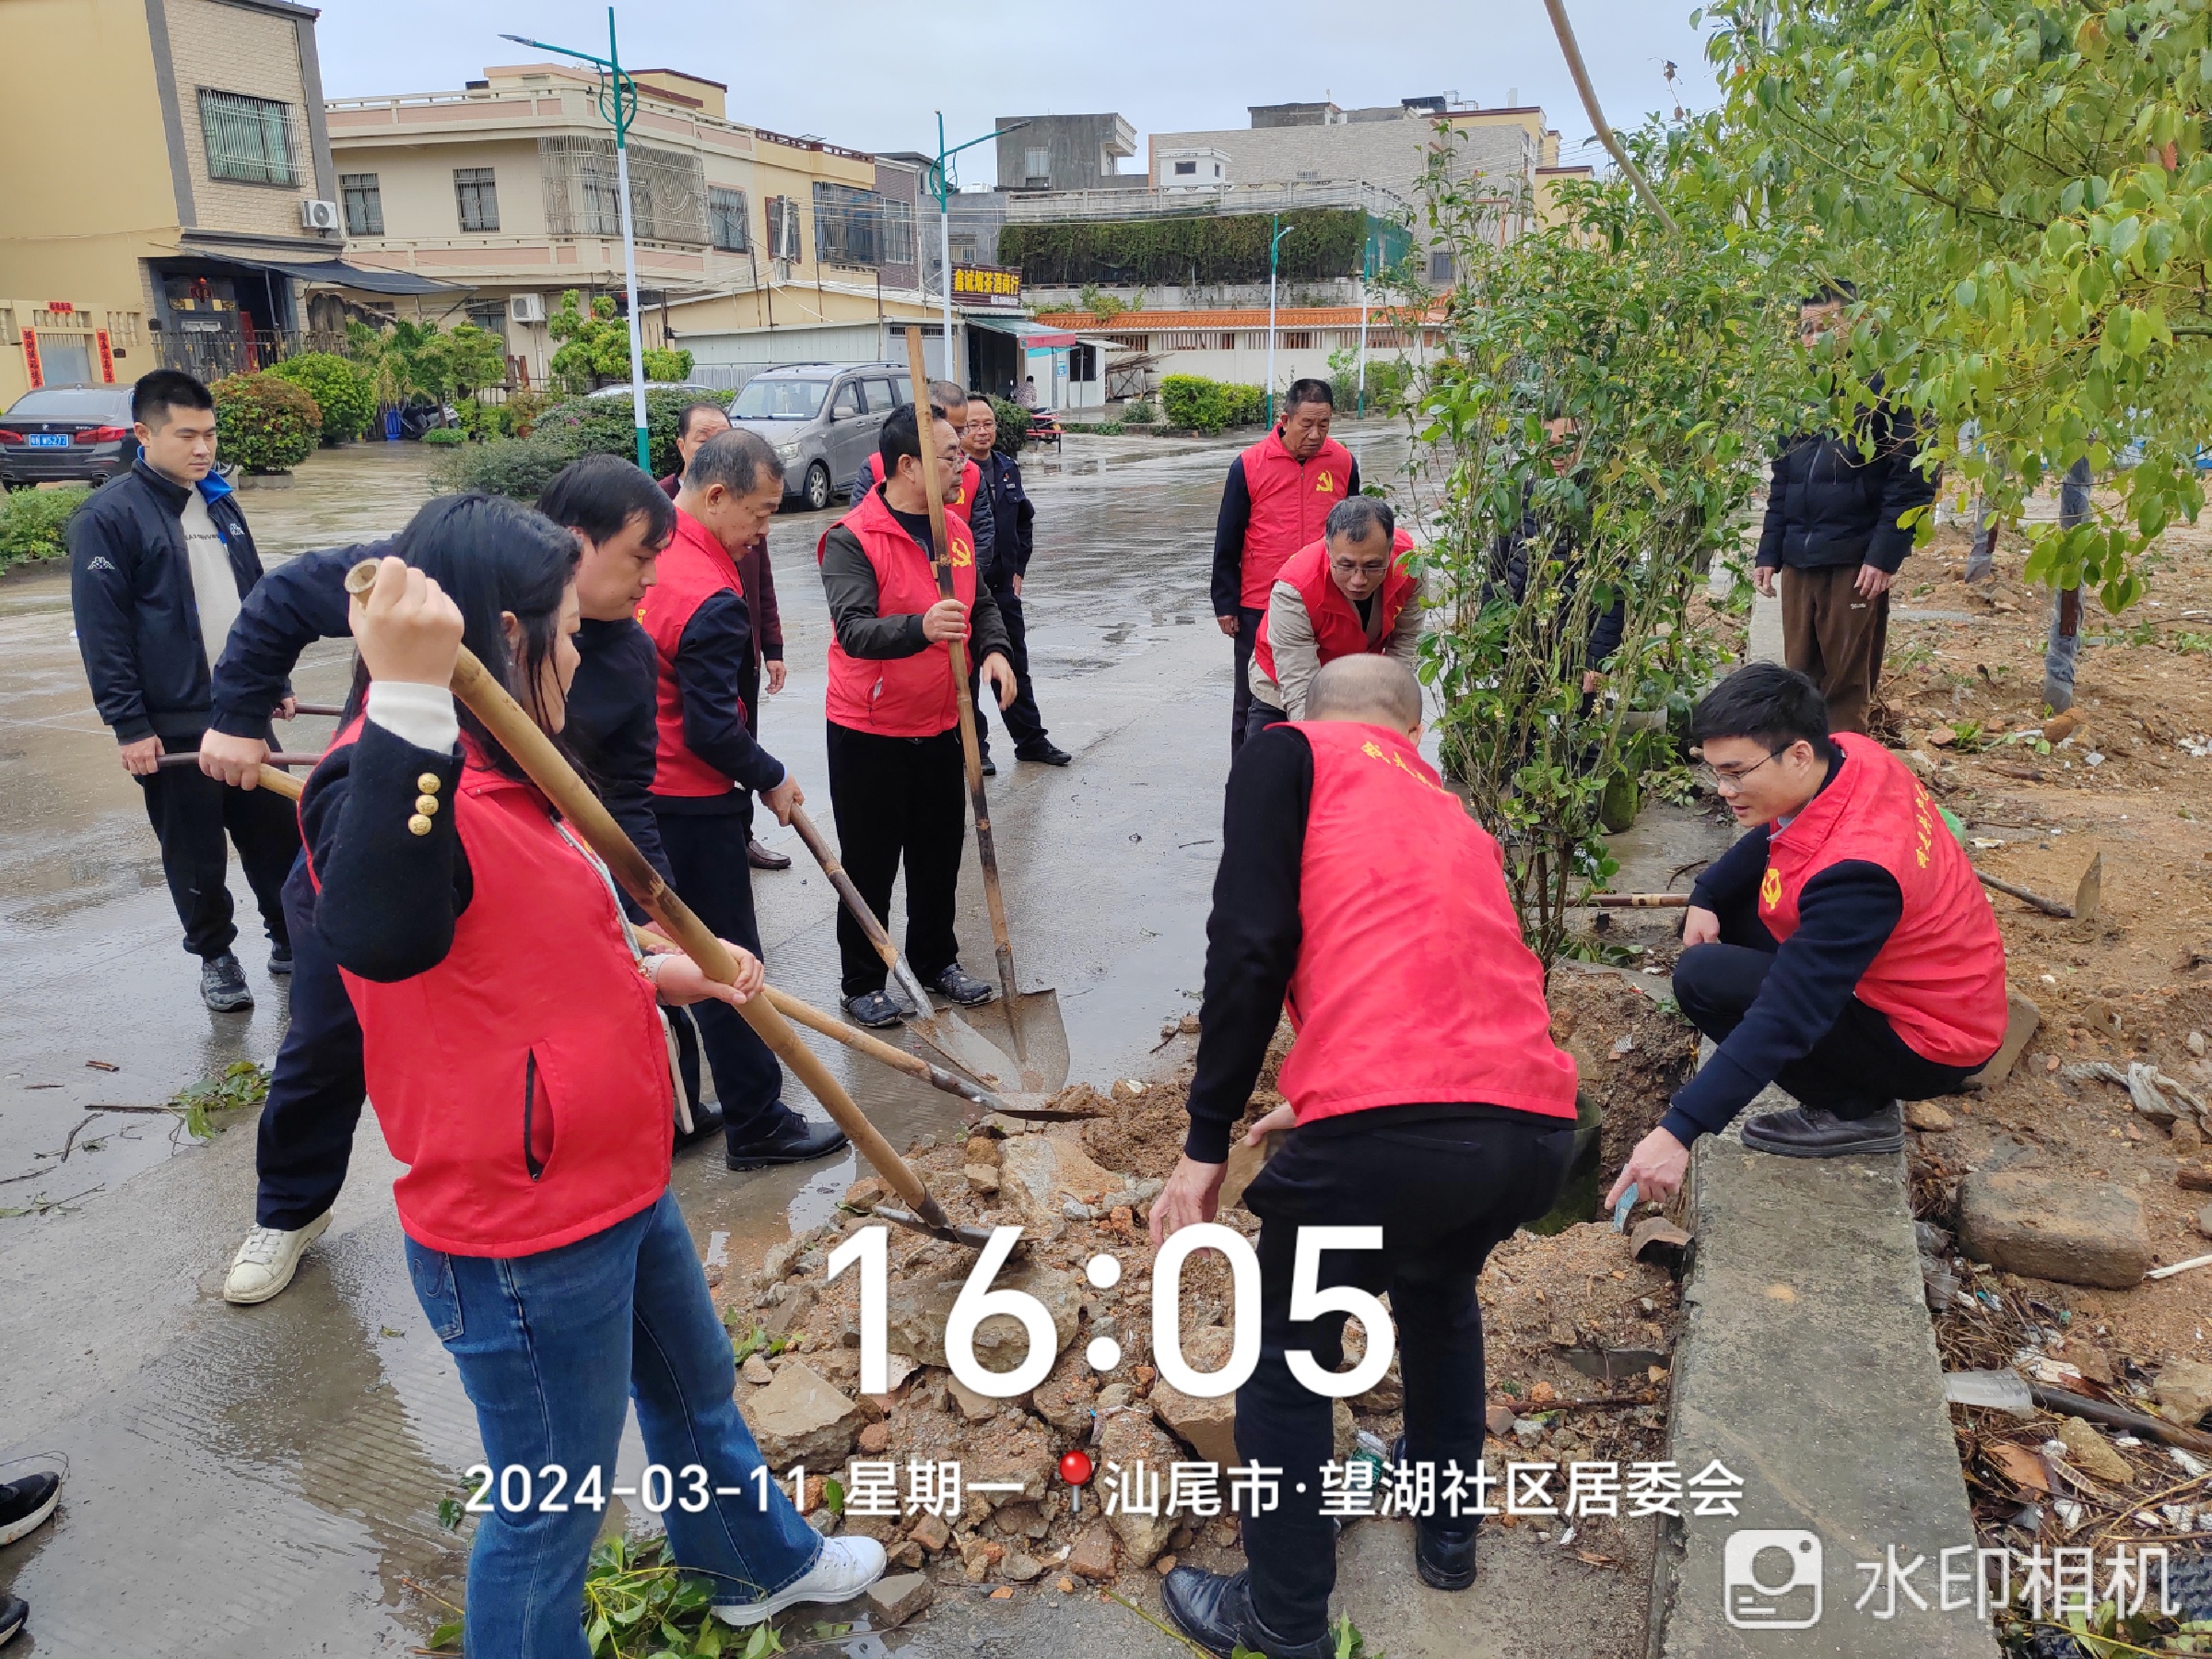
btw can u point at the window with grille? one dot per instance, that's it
(476, 192)
(249, 139)
(364, 204)
(582, 184)
(1298, 339)
(784, 228)
(861, 228)
(1440, 266)
(726, 221)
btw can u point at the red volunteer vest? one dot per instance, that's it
(1941, 977)
(692, 569)
(1289, 501)
(958, 502)
(1416, 918)
(1337, 629)
(899, 697)
(526, 1089)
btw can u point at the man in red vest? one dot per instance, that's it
(896, 769)
(1842, 949)
(708, 761)
(1345, 593)
(1277, 497)
(1430, 1115)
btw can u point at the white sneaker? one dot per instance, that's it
(265, 1261)
(846, 1567)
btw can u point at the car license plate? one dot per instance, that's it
(47, 440)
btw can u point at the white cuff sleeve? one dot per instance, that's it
(422, 715)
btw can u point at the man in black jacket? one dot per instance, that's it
(1833, 506)
(1013, 517)
(160, 562)
(305, 1137)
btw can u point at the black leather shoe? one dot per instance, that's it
(1216, 1613)
(962, 986)
(1044, 752)
(1444, 1559)
(13, 1610)
(223, 985)
(766, 858)
(796, 1141)
(874, 1009)
(706, 1119)
(280, 959)
(989, 766)
(1816, 1132)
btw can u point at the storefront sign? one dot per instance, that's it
(998, 287)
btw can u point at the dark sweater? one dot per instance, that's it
(848, 583)
(712, 656)
(1845, 914)
(354, 817)
(1229, 526)
(612, 729)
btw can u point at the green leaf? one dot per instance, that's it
(446, 1634)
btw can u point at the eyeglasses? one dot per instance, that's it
(1345, 567)
(1732, 782)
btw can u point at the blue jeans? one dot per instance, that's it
(551, 1348)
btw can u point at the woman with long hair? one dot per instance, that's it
(516, 1060)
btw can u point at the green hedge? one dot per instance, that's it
(1191, 400)
(264, 424)
(1204, 247)
(521, 467)
(1012, 426)
(339, 388)
(32, 523)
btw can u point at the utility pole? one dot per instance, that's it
(1367, 270)
(942, 185)
(1274, 247)
(618, 105)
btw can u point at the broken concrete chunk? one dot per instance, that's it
(1093, 1556)
(1020, 1568)
(1131, 1438)
(755, 1372)
(917, 1311)
(1207, 1427)
(2079, 1232)
(1929, 1118)
(2183, 1390)
(931, 1533)
(894, 1600)
(973, 1407)
(801, 1418)
(981, 1177)
(1039, 1173)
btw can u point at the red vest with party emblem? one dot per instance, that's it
(693, 569)
(1337, 630)
(1290, 500)
(909, 696)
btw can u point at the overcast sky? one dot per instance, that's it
(870, 75)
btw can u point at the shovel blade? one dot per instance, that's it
(1024, 1049)
(2090, 893)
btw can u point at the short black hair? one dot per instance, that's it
(1770, 704)
(902, 435)
(683, 420)
(1832, 290)
(1308, 391)
(738, 460)
(600, 494)
(165, 389)
(1356, 516)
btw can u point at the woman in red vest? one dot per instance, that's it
(1842, 948)
(1345, 593)
(519, 1069)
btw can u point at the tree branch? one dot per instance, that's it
(1573, 54)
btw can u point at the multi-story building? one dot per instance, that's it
(509, 185)
(169, 190)
(1065, 152)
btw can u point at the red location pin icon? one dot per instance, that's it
(1075, 1469)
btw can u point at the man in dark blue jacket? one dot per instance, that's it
(160, 562)
(1012, 517)
(305, 1137)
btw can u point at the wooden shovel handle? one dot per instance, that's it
(842, 882)
(573, 799)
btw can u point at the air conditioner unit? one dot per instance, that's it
(527, 308)
(318, 216)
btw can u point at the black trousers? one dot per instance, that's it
(191, 813)
(1259, 716)
(305, 1137)
(1021, 716)
(1239, 702)
(706, 853)
(1445, 1187)
(1856, 1068)
(898, 798)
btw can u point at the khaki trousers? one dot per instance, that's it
(1835, 638)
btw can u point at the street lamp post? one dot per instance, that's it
(941, 185)
(1273, 246)
(618, 104)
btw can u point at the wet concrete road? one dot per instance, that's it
(266, 1480)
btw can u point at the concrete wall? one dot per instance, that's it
(238, 49)
(1392, 154)
(417, 183)
(1074, 142)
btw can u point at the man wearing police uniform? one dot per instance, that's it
(1012, 512)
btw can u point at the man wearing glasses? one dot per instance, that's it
(1344, 594)
(1842, 948)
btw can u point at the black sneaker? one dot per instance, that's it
(1044, 752)
(223, 985)
(1216, 1613)
(706, 1119)
(280, 960)
(962, 986)
(25, 1503)
(13, 1610)
(876, 1009)
(1816, 1132)
(794, 1140)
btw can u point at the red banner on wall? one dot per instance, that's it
(30, 359)
(107, 357)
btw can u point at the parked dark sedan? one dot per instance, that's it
(72, 433)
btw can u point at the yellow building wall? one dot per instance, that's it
(231, 48)
(416, 182)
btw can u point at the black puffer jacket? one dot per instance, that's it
(130, 585)
(1827, 504)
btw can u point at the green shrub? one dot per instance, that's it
(1141, 412)
(1012, 426)
(1389, 382)
(520, 467)
(666, 363)
(1191, 400)
(264, 424)
(447, 436)
(341, 390)
(32, 523)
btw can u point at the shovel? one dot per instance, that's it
(550, 770)
(1032, 1018)
(948, 1034)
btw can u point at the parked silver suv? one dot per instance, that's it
(823, 420)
